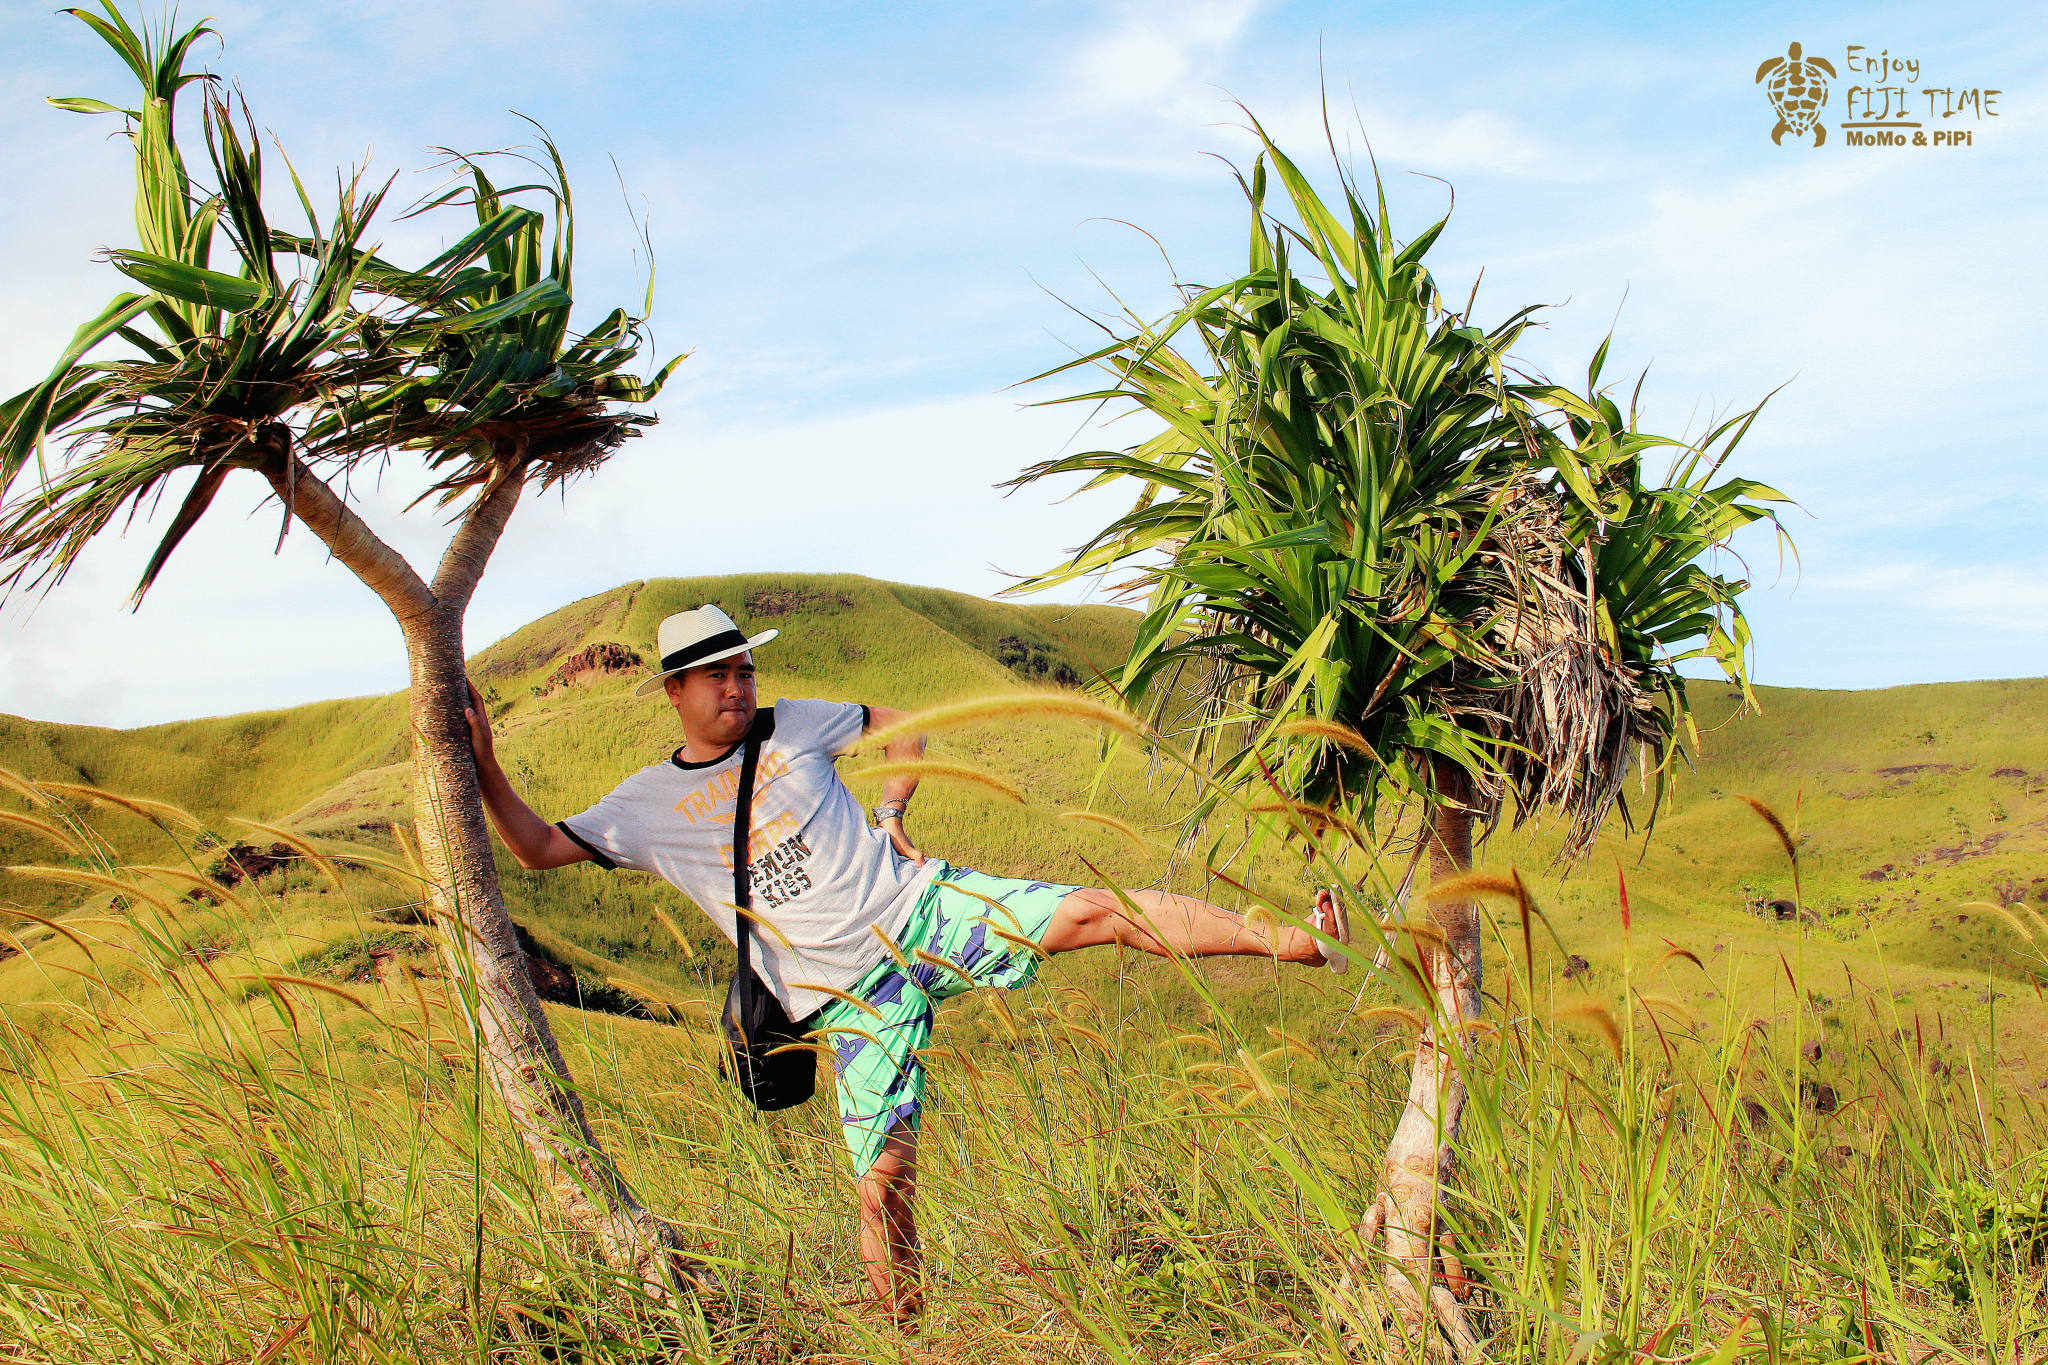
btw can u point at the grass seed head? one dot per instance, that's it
(682, 939)
(1020, 706)
(195, 881)
(1686, 953)
(1110, 822)
(1600, 1017)
(95, 881)
(1329, 731)
(1398, 1014)
(49, 831)
(162, 812)
(843, 997)
(947, 772)
(1770, 817)
(1468, 884)
(2018, 926)
(13, 781)
(1665, 1005)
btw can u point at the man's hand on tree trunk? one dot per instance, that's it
(532, 840)
(479, 718)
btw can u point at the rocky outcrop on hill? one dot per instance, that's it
(560, 983)
(605, 660)
(543, 641)
(245, 862)
(1035, 659)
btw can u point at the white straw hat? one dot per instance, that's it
(703, 636)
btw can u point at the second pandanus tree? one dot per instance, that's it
(314, 359)
(1386, 571)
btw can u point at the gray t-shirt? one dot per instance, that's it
(818, 873)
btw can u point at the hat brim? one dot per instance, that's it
(658, 679)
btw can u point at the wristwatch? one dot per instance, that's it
(890, 810)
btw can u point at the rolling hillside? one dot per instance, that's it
(1906, 803)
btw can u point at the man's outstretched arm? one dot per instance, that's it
(896, 791)
(533, 841)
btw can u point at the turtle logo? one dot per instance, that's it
(1797, 91)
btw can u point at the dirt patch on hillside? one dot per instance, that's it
(1955, 855)
(562, 983)
(370, 799)
(786, 601)
(607, 660)
(1909, 771)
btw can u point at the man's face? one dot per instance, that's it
(715, 701)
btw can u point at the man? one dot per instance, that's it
(845, 909)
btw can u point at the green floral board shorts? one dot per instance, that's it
(881, 1079)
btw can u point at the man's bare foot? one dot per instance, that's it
(1326, 916)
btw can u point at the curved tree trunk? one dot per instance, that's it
(520, 1057)
(1419, 1277)
(481, 948)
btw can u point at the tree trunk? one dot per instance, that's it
(480, 946)
(1419, 1277)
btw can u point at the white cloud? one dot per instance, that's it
(1156, 51)
(902, 494)
(2007, 598)
(852, 233)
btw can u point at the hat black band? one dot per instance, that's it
(689, 654)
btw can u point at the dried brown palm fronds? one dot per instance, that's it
(1565, 710)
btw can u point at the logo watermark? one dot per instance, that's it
(1885, 113)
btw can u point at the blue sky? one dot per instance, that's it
(871, 221)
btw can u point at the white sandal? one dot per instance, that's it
(1332, 921)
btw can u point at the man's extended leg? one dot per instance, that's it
(1168, 925)
(888, 1225)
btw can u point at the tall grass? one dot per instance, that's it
(212, 1150)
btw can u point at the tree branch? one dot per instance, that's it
(462, 564)
(382, 569)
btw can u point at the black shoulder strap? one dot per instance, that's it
(742, 820)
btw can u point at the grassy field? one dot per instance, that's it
(251, 1130)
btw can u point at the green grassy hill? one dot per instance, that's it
(1906, 803)
(1130, 1164)
(1910, 807)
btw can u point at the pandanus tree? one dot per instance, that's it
(1385, 571)
(312, 360)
